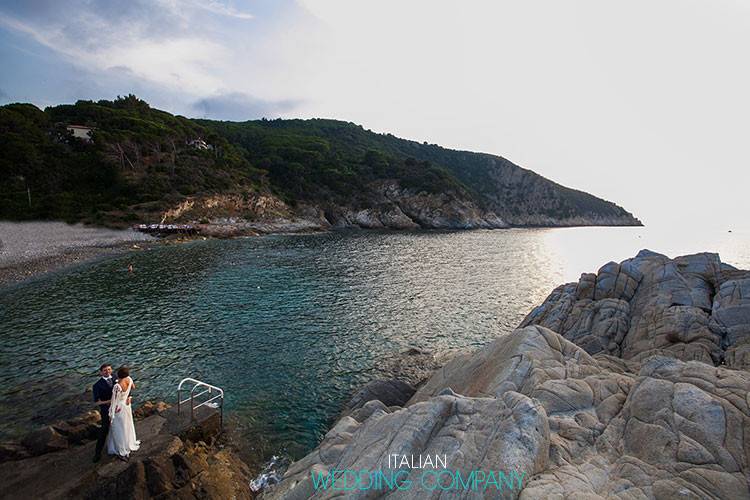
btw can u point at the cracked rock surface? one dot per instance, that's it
(630, 384)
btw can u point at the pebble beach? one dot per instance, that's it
(31, 248)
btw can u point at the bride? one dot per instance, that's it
(121, 440)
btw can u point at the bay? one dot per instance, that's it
(288, 325)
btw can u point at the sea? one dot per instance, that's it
(290, 326)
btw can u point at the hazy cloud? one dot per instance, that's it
(221, 8)
(236, 106)
(168, 42)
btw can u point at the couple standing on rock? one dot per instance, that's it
(113, 398)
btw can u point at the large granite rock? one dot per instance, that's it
(644, 306)
(730, 317)
(629, 384)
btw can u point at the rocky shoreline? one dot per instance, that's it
(631, 383)
(178, 458)
(394, 207)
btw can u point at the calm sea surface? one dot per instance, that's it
(290, 326)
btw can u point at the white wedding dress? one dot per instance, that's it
(121, 439)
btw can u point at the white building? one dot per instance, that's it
(81, 132)
(200, 144)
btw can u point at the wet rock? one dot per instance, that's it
(159, 474)
(149, 408)
(391, 392)
(80, 429)
(50, 438)
(44, 440)
(412, 366)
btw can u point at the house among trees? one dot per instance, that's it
(200, 144)
(81, 132)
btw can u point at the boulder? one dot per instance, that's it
(80, 429)
(44, 440)
(508, 433)
(644, 306)
(150, 408)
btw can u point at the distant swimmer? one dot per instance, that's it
(130, 268)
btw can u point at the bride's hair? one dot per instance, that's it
(123, 372)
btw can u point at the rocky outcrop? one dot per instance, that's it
(691, 307)
(631, 383)
(177, 459)
(524, 198)
(398, 208)
(386, 205)
(57, 436)
(389, 206)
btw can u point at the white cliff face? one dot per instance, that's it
(632, 383)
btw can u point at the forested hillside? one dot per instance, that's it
(141, 162)
(138, 160)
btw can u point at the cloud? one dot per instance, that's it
(237, 106)
(222, 9)
(168, 42)
(193, 57)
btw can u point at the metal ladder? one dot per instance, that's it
(210, 402)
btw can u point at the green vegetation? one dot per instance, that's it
(137, 161)
(140, 162)
(317, 160)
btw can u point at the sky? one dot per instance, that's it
(644, 103)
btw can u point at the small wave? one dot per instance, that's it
(271, 474)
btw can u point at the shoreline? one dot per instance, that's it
(26, 270)
(31, 249)
(55, 252)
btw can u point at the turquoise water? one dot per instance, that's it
(289, 326)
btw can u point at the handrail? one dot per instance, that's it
(208, 390)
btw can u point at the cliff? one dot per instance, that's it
(631, 383)
(140, 164)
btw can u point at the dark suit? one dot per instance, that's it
(103, 392)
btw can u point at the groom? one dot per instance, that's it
(102, 398)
